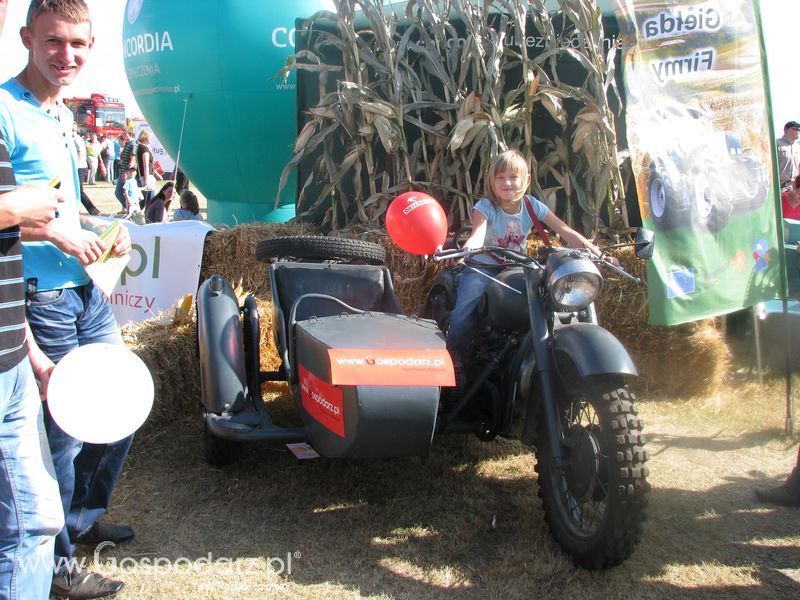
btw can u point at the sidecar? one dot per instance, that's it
(364, 377)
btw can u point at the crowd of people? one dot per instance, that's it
(127, 162)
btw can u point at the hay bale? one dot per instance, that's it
(683, 360)
(412, 275)
(686, 360)
(232, 253)
(170, 354)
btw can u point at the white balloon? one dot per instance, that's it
(100, 393)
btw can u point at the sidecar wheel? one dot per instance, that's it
(313, 247)
(595, 506)
(219, 452)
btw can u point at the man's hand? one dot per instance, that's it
(29, 205)
(82, 244)
(41, 364)
(122, 245)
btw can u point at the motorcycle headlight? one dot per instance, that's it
(573, 282)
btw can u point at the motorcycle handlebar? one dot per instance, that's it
(456, 254)
(524, 259)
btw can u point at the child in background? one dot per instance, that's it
(502, 219)
(133, 195)
(190, 208)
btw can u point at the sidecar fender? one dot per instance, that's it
(223, 381)
(592, 349)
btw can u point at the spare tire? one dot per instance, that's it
(313, 247)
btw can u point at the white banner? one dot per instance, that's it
(164, 267)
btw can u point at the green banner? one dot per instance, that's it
(699, 137)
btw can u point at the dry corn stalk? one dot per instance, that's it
(424, 101)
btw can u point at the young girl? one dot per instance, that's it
(503, 220)
(190, 208)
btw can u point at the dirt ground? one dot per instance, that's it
(464, 521)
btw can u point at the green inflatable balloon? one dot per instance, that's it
(203, 73)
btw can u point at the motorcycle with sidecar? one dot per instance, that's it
(371, 382)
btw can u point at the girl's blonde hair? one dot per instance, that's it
(510, 160)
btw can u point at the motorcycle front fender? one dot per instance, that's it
(592, 349)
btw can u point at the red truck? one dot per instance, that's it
(99, 114)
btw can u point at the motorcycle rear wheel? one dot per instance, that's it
(595, 506)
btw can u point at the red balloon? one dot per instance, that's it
(416, 222)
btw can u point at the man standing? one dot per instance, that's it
(30, 507)
(126, 159)
(65, 310)
(788, 153)
(107, 157)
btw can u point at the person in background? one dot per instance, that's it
(126, 160)
(83, 171)
(107, 157)
(116, 155)
(80, 148)
(131, 191)
(181, 181)
(157, 209)
(790, 200)
(64, 308)
(788, 154)
(190, 208)
(92, 158)
(144, 165)
(127, 155)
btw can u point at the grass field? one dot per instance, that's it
(466, 521)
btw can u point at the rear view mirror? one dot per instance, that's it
(645, 242)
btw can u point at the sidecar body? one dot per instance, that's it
(365, 378)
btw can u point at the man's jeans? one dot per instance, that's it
(30, 507)
(87, 473)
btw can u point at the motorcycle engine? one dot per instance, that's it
(504, 309)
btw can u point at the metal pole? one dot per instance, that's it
(757, 337)
(789, 394)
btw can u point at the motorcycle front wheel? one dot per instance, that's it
(595, 504)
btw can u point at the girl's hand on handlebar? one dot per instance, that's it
(448, 262)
